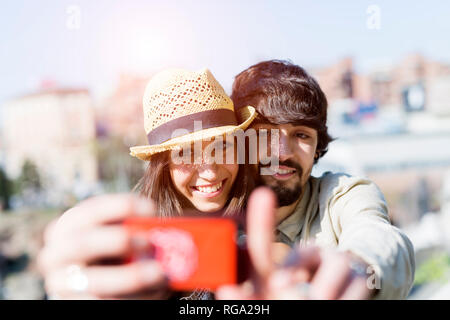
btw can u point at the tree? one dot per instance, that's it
(5, 190)
(117, 169)
(29, 178)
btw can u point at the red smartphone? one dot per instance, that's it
(195, 252)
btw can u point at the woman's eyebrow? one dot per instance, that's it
(268, 127)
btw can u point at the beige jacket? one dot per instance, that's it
(350, 214)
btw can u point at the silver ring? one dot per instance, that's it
(77, 280)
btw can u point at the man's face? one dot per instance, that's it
(297, 148)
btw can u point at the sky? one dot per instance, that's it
(90, 43)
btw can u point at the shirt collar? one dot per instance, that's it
(292, 224)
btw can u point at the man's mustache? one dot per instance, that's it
(286, 163)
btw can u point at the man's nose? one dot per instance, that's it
(285, 150)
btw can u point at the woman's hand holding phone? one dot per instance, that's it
(79, 244)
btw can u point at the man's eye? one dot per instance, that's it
(301, 135)
(263, 131)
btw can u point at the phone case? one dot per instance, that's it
(194, 252)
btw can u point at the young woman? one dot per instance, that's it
(183, 111)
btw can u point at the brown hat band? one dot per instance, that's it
(209, 119)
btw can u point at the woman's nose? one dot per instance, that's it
(208, 171)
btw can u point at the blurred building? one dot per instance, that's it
(121, 113)
(394, 85)
(120, 125)
(392, 125)
(54, 129)
(409, 169)
(412, 95)
(388, 85)
(337, 80)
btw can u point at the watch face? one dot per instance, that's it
(415, 98)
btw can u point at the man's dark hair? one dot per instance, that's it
(283, 93)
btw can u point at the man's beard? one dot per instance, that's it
(285, 195)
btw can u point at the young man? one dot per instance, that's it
(348, 214)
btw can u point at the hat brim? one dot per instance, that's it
(248, 114)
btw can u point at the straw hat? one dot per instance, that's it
(181, 107)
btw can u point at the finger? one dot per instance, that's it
(93, 245)
(49, 230)
(280, 279)
(112, 281)
(308, 258)
(104, 210)
(296, 291)
(47, 235)
(156, 295)
(302, 262)
(356, 290)
(71, 296)
(279, 252)
(160, 294)
(116, 207)
(127, 279)
(331, 277)
(234, 292)
(260, 227)
(284, 285)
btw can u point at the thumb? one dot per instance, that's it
(260, 226)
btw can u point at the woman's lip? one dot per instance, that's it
(211, 194)
(209, 185)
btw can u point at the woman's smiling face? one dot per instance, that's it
(205, 184)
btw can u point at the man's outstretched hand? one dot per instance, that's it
(306, 273)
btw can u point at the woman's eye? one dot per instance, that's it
(223, 145)
(228, 145)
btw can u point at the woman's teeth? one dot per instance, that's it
(210, 189)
